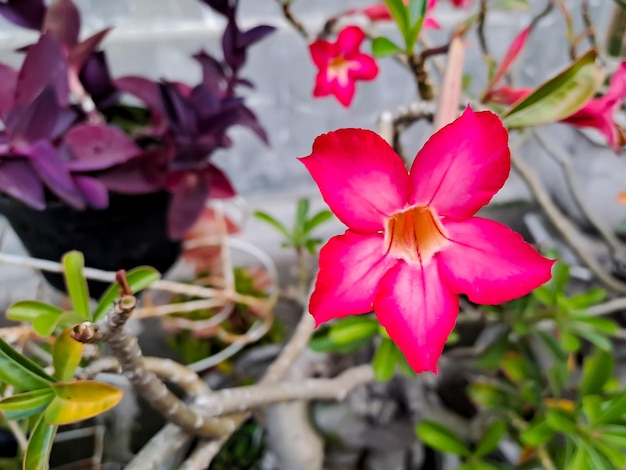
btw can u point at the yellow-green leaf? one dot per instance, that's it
(28, 310)
(559, 97)
(39, 446)
(66, 355)
(73, 264)
(19, 371)
(80, 400)
(138, 279)
(44, 325)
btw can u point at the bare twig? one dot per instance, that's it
(482, 16)
(295, 22)
(608, 307)
(591, 30)
(542, 14)
(569, 23)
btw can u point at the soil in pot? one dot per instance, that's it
(131, 232)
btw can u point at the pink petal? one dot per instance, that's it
(360, 177)
(351, 265)
(462, 165)
(617, 86)
(323, 87)
(431, 23)
(418, 311)
(490, 263)
(363, 67)
(344, 92)
(321, 52)
(349, 40)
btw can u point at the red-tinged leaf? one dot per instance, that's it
(190, 196)
(96, 193)
(8, 82)
(39, 445)
(37, 121)
(20, 181)
(44, 64)
(83, 50)
(25, 13)
(50, 168)
(63, 20)
(220, 186)
(98, 147)
(144, 174)
(80, 400)
(254, 35)
(514, 50)
(66, 355)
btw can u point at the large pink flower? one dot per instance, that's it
(341, 64)
(413, 244)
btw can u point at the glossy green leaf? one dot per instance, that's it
(416, 12)
(597, 370)
(350, 329)
(28, 310)
(537, 433)
(19, 371)
(44, 325)
(559, 97)
(66, 355)
(317, 220)
(27, 400)
(400, 15)
(441, 438)
(491, 438)
(80, 400)
(385, 359)
(384, 47)
(39, 446)
(73, 264)
(138, 279)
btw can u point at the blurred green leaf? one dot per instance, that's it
(384, 47)
(39, 445)
(25, 401)
(491, 357)
(491, 438)
(317, 220)
(560, 420)
(350, 329)
(559, 97)
(616, 456)
(614, 434)
(592, 407)
(73, 264)
(597, 370)
(416, 12)
(44, 325)
(488, 395)
(551, 343)
(19, 371)
(400, 15)
(301, 216)
(615, 410)
(569, 342)
(28, 310)
(519, 5)
(385, 359)
(441, 438)
(587, 299)
(268, 219)
(138, 279)
(545, 295)
(560, 277)
(537, 433)
(515, 367)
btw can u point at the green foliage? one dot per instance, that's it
(245, 449)
(409, 19)
(300, 236)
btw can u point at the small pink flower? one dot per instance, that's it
(596, 113)
(413, 244)
(380, 12)
(341, 64)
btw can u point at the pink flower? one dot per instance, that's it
(596, 113)
(341, 64)
(413, 244)
(380, 12)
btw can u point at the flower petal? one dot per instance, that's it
(489, 262)
(321, 52)
(363, 67)
(462, 165)
(360, 177)
(344, 92)
(351, 265)
(349, 40)
(418, 311)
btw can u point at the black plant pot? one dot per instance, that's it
(131, 232)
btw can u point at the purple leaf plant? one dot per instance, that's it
(68, 135)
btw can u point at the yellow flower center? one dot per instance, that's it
(415, 235)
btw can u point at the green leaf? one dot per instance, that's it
(586, 299)
(598, 340)
(592, 407)
(559, 97)
(385, 359)
(80, 400)
(138, 279)
(28, 310)
(545, 295)
(39, 446)
(614, 434)
(20, 371)
(616, 456)
(560, 277)
(491, 438)
(416, 12)
(348, 330)
(69, 319)
(66, 355)
(301, 216)
(615, 410)
(515, 367)
(317, 220)
(73, 264)
(25, 401)
(400, 15)
(383, 47)
(537, 433)
(44, 325)
(519, 5)
(569, 342)
(441, 438)
(597, 370)
(268, 219)
(560, 420)
(551, 343)
(488, 395)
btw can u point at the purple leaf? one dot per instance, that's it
(96, 79)
(205, 101)
(44, 63)
(146, 91)
(19, 180)
(25, 13)
(213, 75)
(245, 82)
(253, 35)
(8, 82)
(48, 165)
(178, 111)
(63, 20)
(225, 7)
(97, 147)
(37, 121)
(220, 186)
(190, 196)
(233, 55)
(67, 117)
(248, 118)
(145, 174)
(84, 49)
(94, 191)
